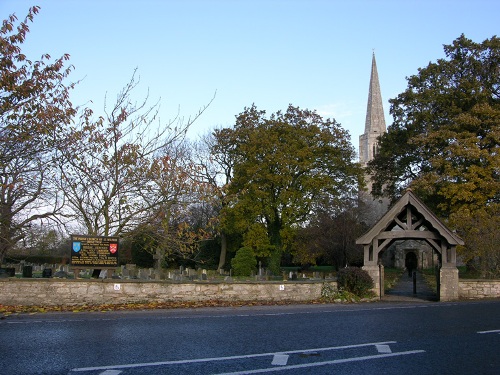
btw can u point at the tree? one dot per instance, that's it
(34, 111)
(244, 262)
(330, 237)
(215, 166)
(123, 168)
(284, 167)
(479, 229)
(444, 143)
(445, 136)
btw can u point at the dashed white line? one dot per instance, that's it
(492, 331)
(383, 349)
(316, 364)
(280, 359)
(201, 360)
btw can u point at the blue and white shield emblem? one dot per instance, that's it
(77, 246)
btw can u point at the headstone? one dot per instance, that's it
(143, 274)
(47, 273)
(61, 275)
(192, 274)
(28, 271)
(10, 271)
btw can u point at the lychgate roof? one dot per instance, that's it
(409, 218)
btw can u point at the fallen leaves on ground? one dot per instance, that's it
(8, 310)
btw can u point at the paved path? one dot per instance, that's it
(403, 290)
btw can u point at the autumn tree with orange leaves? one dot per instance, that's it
(34, 109)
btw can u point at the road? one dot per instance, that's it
(369, 338)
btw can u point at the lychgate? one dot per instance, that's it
(410, 219)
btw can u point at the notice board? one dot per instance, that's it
(94, 251)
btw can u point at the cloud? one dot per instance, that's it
(338, 111)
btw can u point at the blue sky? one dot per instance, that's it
(310, 53)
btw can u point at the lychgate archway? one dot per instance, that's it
(411, 219)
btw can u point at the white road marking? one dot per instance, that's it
(201, 360)
(111, 372)
(280, 359)
(492, 331)
(316, 364)
(383, 349)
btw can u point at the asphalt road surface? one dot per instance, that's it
(369, 338)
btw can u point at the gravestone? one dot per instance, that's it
(47, 273)
(28, 271)
(7, 272)
(131, 270)
(61, 275)
(144, 274)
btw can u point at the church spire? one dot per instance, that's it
(368, 146)
(375, 120)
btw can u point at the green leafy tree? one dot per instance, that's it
(479, 229)
(445, 136)
(244, 262)
(34, 111)
(444, 143)
(285, 166)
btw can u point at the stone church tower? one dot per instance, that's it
(398, 254)
(368, 145)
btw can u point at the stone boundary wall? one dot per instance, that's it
(62, 292)
(477, 289)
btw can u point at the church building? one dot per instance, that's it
(368, 146)
(401, 252)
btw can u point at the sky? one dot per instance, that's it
(312, 54)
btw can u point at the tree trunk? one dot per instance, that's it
(223, 251)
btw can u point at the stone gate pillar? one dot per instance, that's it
(448, 274)
(448, 290)
(374, 271)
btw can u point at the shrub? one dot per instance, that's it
(244, 262)
(354, 280)
(330, 294)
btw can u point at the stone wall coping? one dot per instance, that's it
(138, 281)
